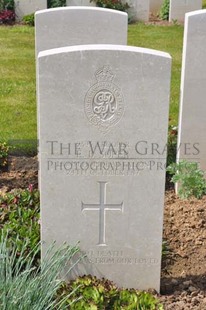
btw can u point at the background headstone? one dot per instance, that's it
(139, 10)
(192, 116)
(103, 126)
(25, 7)
(68, 26)
(155, 6)
(178, 8)
(80, 3)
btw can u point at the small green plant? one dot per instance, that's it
(165, 248)
(56, 3)
(190, 179)
(91, 293)
(28, 19)
(23, 286)
(171, 145)
(112, 4)
(19, 216)
(164, 11)
(4, 153)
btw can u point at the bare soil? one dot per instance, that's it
(183, 278)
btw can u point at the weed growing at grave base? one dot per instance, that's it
(28, 19)
(190, 179)
(19, 216)
(95, 294)
(204, 4)
(171, 145)
(164, 11)
(23, 286)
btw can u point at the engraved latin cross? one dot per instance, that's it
(102, 207)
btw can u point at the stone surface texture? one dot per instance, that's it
(25, 7)
(192, 124)
(155, 6)
(80, 3)
(139, 10)
(103, 131)
(178, 8)
(68, 26)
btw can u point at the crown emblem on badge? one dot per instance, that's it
(104, 103)
(104, 74)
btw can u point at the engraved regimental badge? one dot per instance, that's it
(104, 105)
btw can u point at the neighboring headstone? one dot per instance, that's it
(103, 131)
(25, 7)
(68, 26)
(139, 10)
(155, 6)
(80, 3)
(178, 8)
(192, 116)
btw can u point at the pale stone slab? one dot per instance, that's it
(178, 8)
(155, 6)
(192, 116)
(103, 132)
(79, 3)
(25, 7)
(139, 10)
(68, 26)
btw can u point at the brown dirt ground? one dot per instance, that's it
(183, 279)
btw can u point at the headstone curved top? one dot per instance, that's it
(103, 134)
(67, 26)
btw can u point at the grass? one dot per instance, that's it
(168, 39)
(17, 83)
(17, 74)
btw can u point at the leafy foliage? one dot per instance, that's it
(190, 179)
(7, 5)
(29, 19)
(25, 287)
(7, 17)
(89, 293)
(19, 216)
(112, 4)
(56, 3)
(164, 11)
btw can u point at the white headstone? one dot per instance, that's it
(80, 3)
(139, 10)
(178, 8)
(192, 116)
(103, 131)
(68, 26)
(155, 6)
(25, 7)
